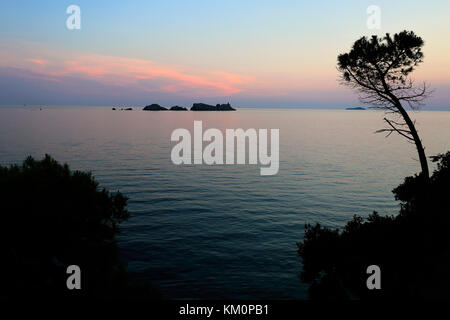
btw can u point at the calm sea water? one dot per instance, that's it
(225, 231)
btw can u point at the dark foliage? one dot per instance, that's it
(412, 248)
(52, 218)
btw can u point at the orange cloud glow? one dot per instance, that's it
(39, 61)
(147, 75)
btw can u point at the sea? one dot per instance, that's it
(226, 231)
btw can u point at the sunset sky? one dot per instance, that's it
(251, 53)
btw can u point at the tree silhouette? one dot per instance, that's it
(379, 68)
(53, 217)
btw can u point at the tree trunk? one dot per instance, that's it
(417, 141)
(412, 128)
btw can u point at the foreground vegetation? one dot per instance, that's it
(52, 218)
(412, 248)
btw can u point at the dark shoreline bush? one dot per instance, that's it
(52, 218)
(412, 248)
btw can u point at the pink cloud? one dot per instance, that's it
(146, 75)
(151, 76)
(40, 62)
(126, 71)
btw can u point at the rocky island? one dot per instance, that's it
(207, 107)
(178, 108)
(154, 107)
(355, 108)
(195, 107)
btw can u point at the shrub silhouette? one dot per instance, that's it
(52, 218)
(412, 248)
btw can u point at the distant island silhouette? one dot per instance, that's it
(126, 109)
(207, 107)
(195, 107)
(154, 107)
(355, 108)
(177, 108)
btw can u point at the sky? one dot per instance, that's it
(249, 53)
